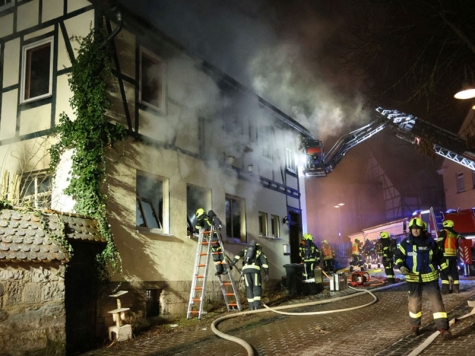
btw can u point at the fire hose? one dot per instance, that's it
(249, 348)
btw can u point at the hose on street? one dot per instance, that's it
(248, 347)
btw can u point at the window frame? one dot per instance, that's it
(275, 226)
(242, 238)
(265, 135)
(162, 220)
(7, 5)
(24, 64)
(37, 196)
(459, 177)
(290, 161)
(162, 95)
(263, 217)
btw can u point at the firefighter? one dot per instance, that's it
(368, 252)
(356, 255)
(388, 261)
(328, 257)
(378, 248)
(253, 260)
(448, 243)
(310, 256)
(205, 221)
(417, 258)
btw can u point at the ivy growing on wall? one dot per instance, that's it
(89, 136)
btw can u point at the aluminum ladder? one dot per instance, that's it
(200, 274)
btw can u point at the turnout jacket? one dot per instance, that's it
(448, 241)
(421, 256)
(256, 262)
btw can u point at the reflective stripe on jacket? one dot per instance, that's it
(448, 242)
(421, 256)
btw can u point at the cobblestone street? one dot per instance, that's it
(378, 329)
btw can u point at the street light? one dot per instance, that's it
(339, 206)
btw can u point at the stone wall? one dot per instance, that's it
(32, 311)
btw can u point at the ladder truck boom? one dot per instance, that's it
(407, 127)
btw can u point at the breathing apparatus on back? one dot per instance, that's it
(251, 252)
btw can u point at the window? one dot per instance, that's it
(196, 197)
(262, 224)
(35, 190)
(275, 226)
(152, 303)
(5, 4)
(264, 141)
(37, 69)
(149, 209)
(235, 218)
(460, 182)
(152, 80)
(290, 160)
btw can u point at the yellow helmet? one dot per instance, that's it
(307, 237)
(448, 223)
(416, 223)
(325, 241)
(384, 234)
(199, 212)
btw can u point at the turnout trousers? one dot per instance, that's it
(432, 291)
(253, 289)
(450, 273)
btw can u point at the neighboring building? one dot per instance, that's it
(459, 181)
(197, 138)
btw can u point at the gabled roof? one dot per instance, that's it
(27, 236)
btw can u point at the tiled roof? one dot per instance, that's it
(30, 236)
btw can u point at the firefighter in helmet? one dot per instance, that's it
(448, 242)
(253, 260)
(388, 260)
(356, 255)
(328, 257)
(310, 256)
(205, 221)
(418, 258)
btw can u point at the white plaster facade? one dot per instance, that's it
(203, 117)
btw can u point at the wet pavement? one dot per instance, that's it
(350, 322)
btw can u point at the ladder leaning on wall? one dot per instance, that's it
(200, 275)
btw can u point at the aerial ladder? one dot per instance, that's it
(204, 251)
(407, 127)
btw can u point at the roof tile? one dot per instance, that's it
(23, 237)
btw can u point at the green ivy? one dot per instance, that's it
(90, 135)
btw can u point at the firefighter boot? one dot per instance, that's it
(415, 331)
(445, 289)
(446, 334)
(455, 288)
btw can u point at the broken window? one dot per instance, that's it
(152, 80)
(196, 197)
(149, 202)
(35, 190)
(37, 68)
(235, 218)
